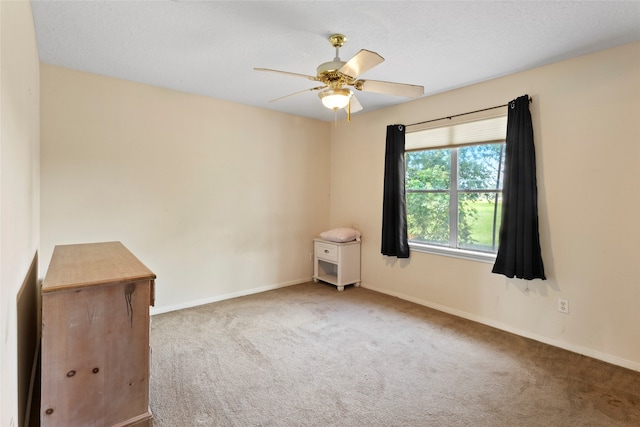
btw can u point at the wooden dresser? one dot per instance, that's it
(95, 337)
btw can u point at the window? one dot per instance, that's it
(454, 177)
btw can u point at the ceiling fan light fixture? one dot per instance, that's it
(335, 99)
(337, 76)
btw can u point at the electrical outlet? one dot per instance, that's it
(310, 256)
(563, 305)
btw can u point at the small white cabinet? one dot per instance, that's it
(336, 263)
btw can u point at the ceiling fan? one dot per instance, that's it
(336, 76)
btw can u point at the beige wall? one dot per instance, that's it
(19, 183)
(218, 199)
(586, 115)
(221, 199)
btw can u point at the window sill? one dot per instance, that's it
(455, 253)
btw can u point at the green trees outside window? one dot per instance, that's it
(454, 196)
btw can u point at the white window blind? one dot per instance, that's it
(450, 134)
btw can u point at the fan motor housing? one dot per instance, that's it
(329, 70)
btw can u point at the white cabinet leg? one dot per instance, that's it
(340, 288)
(357, 284)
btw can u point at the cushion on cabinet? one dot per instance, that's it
(341, 235)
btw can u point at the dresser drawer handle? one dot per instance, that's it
(326, 251)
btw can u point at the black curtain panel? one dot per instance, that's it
(394, 214)
(519, 252)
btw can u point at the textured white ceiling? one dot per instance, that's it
(211, 47)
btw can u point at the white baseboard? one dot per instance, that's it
(189, 304)
(585, 351)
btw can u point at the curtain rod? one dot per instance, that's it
(462, 114)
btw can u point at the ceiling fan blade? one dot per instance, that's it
(361, 62)
(314, 78)
(355, 104)
(390, 88)
(297, 93)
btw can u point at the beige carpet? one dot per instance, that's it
(308, 355)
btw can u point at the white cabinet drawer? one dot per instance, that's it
(326, 251)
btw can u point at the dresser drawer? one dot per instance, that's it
(326, 251)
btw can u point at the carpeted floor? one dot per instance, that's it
(308, 355)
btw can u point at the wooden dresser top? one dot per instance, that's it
(77, 266)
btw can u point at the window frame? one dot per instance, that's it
(451, 250)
